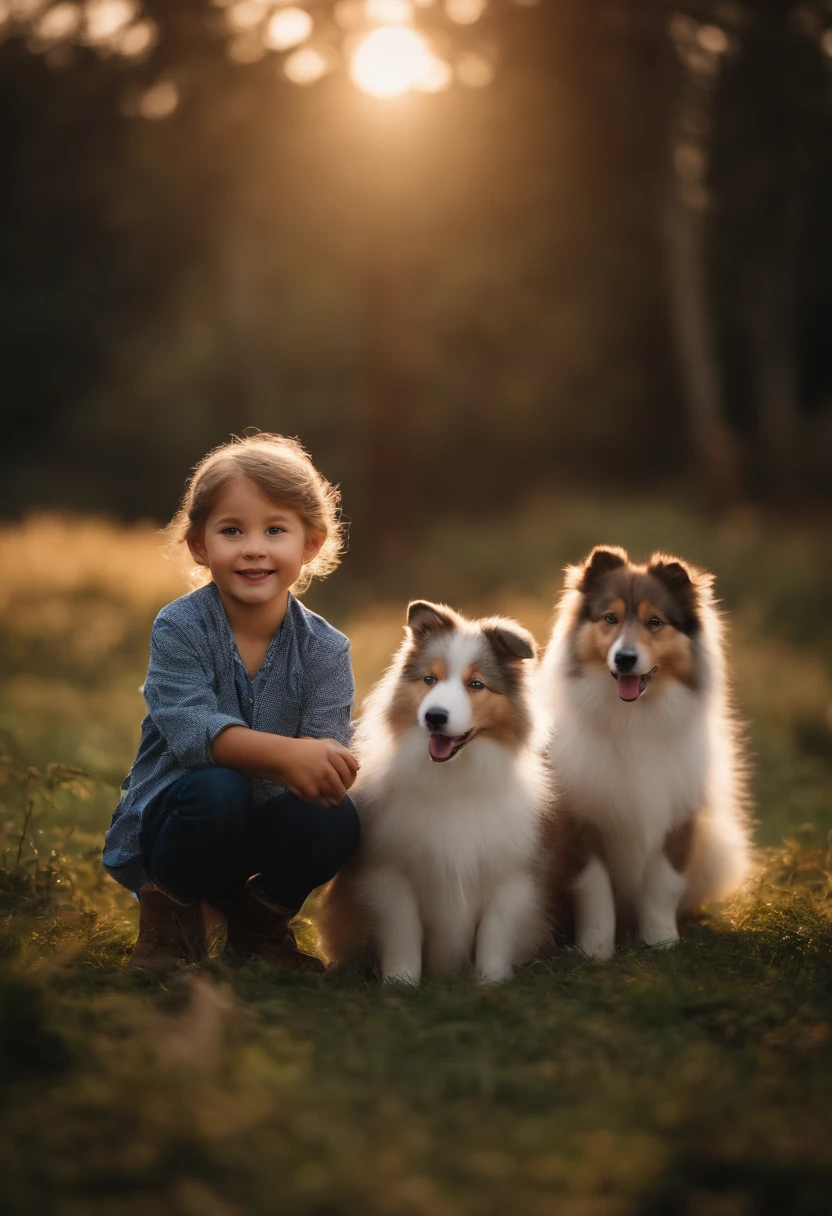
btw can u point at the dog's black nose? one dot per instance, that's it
(626, 660)
(436, 718)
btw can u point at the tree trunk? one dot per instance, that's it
(685, 231)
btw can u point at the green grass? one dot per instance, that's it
(695, 1081)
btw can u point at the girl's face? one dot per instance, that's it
(253, 546)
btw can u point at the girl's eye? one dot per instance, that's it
(430, 679)
(655, 623)
(476, 685)
(230, 531)
(611, 618)
(276, 530)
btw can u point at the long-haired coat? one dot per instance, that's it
(652, 821)
(452, 795)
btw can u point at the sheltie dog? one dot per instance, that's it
(651, 781)
(452, 795)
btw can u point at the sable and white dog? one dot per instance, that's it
(652, 821)
(452, 796)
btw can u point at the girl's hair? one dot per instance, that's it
(282, 470)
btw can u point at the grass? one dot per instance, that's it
(696, 1081)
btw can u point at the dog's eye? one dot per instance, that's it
(430, 679)
(476, 685)
(654, 623)
(611, 618)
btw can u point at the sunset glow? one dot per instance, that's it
(390, 61)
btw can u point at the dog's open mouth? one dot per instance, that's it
(445, 747)
(630, 688)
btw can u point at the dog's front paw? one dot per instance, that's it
(596, 948)
(663, 943)
(402, 977)
(497, 973)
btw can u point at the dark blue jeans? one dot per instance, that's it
(202, 839)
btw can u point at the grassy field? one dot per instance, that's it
(696, 1081)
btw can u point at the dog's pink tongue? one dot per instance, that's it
(628, 687)
(440, 747)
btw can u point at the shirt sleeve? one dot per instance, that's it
(181, 699)
(328, 696)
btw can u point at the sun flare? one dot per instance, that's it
(390, 61)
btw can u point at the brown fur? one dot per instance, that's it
(410, 694)
(341, 919)
(495, 715)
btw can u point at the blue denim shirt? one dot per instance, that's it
(197, 685)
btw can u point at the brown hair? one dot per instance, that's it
(282, 470)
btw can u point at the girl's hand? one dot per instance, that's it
(318, 770)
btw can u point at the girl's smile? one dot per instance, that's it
(255, 576)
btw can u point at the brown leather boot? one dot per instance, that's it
(259, 928)
(173, 932)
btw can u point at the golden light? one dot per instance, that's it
(105, 18)
(465, 12)
(388, 12)
(437, 76)
(349, 14)
(475, 71)
(59, 22)
(306, 66)
(390, 61)
(20, 9)
(246, 48)
(136, 39)
(287, 28)
(245, 16)
(713, 39)
(159, 101)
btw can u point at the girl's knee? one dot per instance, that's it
(220, 796)
(337, 835)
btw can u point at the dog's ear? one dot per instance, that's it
(509, 639)
(601, 561)
(675, 576)
(679, 577)
(689, 588)
(424, 617)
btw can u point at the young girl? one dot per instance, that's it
(236, 805)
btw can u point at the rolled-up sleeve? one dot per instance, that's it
(181, 699)
(329, 691)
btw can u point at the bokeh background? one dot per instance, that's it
(524, 277)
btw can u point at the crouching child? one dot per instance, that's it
(236, 806)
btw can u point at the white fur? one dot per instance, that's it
(595, 911)
(448, 869)
(638, 770)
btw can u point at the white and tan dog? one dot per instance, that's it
(452, 796)
(652, 821)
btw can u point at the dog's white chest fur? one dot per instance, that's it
(636, 771)
(450, 859)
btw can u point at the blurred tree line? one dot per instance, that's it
(612, 266)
